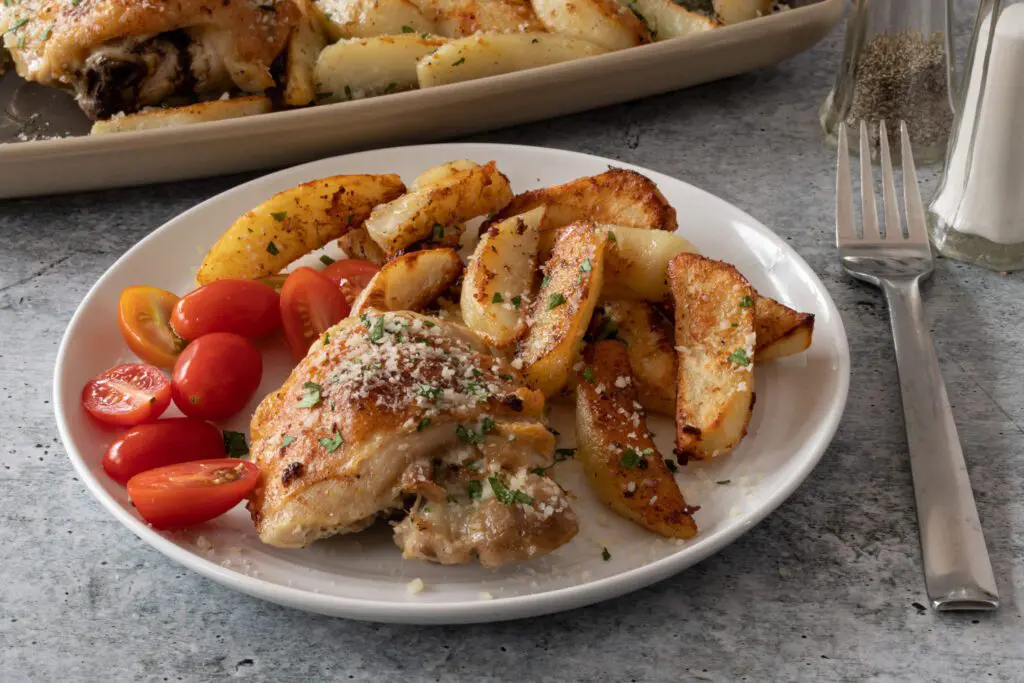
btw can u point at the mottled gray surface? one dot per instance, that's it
(828, 588)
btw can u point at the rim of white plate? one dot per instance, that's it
(466, 611)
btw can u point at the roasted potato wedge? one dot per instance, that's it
(714, 337)
(369, 18)
(604, 22)
(649, 347)
(735, 11)
(363, 67)
(461, 196)
(460, 18)
(666, 20)
(295, 222)
(561, 312)
(466, 59)
(624, 468)
(357, 244)
(637, 262)
(499, 276)
(438, 175)
(781, 331)
(410, 282)
(615, 197)
(214, 110)
(304, 45)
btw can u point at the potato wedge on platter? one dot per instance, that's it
(586, 290)
(370, 18)
(355, 68)
(604, 22)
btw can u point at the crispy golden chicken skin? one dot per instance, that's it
(394, 412)
(120, 55)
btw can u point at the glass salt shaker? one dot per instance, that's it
(977, 214)
(897, 65)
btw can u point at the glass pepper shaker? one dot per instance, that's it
(977, 214)
(897, 65)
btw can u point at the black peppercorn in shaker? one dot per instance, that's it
(896, 65)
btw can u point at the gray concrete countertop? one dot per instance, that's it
(828, 588)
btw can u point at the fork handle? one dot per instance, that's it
(958, 573)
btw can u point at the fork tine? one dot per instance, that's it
(869, 210)
(890, 205)
(845, 232)
(911, 190)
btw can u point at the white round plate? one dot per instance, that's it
(800, 401)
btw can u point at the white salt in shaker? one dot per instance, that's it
(977, 215)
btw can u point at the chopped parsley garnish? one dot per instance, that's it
(608, 329)
(476, 372)
(288, 440)
(331, 443)
(408, 29)
(506, 495)
(473, 436)
(723, 482)
(427, 324)
(630, 459)
(555, 300)
(605, 555)
(460, 60)
(545, 282)
(235, 445)
(516, 301)
(740, 357)
(279, 216)
(429, 392)
(486, 425)
(507, 378)
(497, 298)
(272, 249)
(326, 338)
(377, 329)
(16, 25)
(672, 466)
(636, 12)
(326, 260)
(390, 88)
(746, 302)
(323, 95)
(611, 237)
(424, 423)
(534, 41)
(564, 454)
(475, 489)
(48, 32)
(348, 92)
(193, 400)
(311, 395)
(647, 452)
(472, 465)
(586, 267)
(588, 375)
(438, 232)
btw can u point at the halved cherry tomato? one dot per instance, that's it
(216, 375)
(143, 314)
(351, 275)
(244, 307)
(189, 493)
(127, 395)
(310, 304)
(161, 443)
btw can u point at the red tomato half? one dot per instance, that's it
(190, 493)
(143, 314)
(310, 304)
(216, 375)
(127, 395)
(161, 443)
(244, 307)
(351, 276)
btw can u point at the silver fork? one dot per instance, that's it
(957, 571)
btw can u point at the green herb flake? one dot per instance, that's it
(506, 495)
(331, 443)
(516, 301)
(672, 466)
(427, 324)
(326, 260)
(486, 426)
(311, 395)
(194, 400)
(475, 489)
(545, 282)
(326, 339)
(611, 237)
(390, 88)
(424, 423)
(630, 459)
(279, 216)
(460, 60)
(497, 298)
(408, 29)
(288, 440)
(429, 392)
(586, 266)
(348, 93)
(438, 232)
(377, 329)
(324, 94)
(473, 465)
(555, 300)
(235, 445)
(746, 302)
(605, 555)
(588, 374)
(47, 33)
(16, 25)
(272, 249)
(740, 357)
(507, 378)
